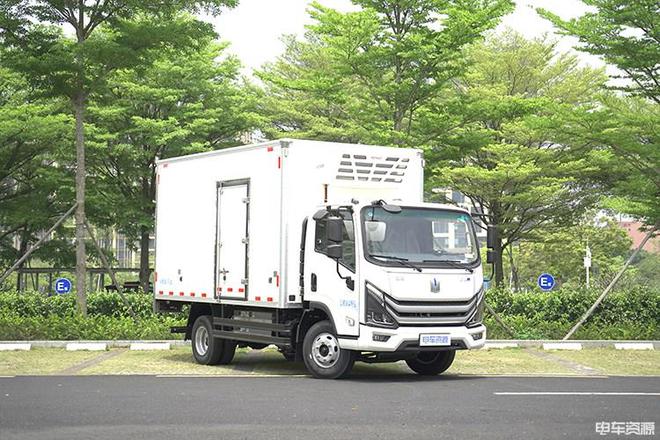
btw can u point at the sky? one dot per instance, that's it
(254, 27)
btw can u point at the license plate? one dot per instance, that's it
(434, 340)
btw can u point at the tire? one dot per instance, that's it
(206, 349)
(322, 355)
(228, 351)
(430, 363)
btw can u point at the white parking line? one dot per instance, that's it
(571, 393)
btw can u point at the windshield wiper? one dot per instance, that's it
(400, 260)
(451, 263)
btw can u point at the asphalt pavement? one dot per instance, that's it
(365, 407)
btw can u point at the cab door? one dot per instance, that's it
(323, 283)
(232, 239)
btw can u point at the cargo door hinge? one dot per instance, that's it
(245, 240)
(244, 281)
(246, 200)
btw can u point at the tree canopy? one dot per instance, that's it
(626, 35)
(366, 75)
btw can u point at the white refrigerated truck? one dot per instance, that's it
(325, 250)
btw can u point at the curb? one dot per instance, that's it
(500, 345)
(144, 346)
(490, 344)
(634, 346)
(586, 344)
(15, 346)
(87, 346)
(562, 346)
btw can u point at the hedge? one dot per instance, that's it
(32, 316)
(634, 314)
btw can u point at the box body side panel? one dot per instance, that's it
(187, 225)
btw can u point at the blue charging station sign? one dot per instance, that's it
(62, 285)
(546, 281)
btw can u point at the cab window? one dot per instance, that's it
(348, 243)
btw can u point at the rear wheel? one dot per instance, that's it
(322, 355)
(206, 349)
(430, 363)
(228, 351)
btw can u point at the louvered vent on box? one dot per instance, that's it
(390, 169)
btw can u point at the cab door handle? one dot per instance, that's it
(313, 283)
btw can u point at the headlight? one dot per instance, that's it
(478, 316)
(376, 314)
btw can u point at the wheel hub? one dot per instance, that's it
(202, 340)
(325, 350)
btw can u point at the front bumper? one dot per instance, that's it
(405, 339)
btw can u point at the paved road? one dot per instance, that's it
(403, 407)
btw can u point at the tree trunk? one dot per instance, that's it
(144, 258)
(22, 249)
(515, 282)
(499, 267)
(148, 188)
(81, 292)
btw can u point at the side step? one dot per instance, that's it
(239, 329)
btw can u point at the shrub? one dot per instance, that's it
(634, 314)
(32, 315)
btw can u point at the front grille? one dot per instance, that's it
(432, 312)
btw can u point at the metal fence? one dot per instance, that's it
(41, 279)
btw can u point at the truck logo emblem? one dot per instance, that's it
(435, 286)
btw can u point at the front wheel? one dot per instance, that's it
(430, 363)
(322, 355)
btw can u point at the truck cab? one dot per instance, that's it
(399, 281)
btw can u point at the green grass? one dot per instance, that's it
(41, 361)
(179, 361)
(617, 362)
(504, 361)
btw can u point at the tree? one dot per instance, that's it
(74, 67)
(372, 71)
(626, 35)
(627, 128)
(187, 101)
(507, 153)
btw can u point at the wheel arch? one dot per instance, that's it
(314, 312)
(196, 310)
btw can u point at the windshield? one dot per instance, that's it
(419, 235)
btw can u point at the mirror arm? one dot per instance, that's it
(349, 281)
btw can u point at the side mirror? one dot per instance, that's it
(334, 231)
(335, 251)
(491, 237)
(490, 256)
